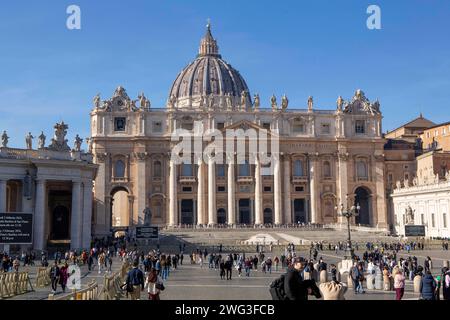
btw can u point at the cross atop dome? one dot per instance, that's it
(208, 45)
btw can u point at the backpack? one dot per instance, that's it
(276, 288)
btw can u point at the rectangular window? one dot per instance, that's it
(390, 178)
(119, 124)
(298, 128)
(267, 189)
(187, 189)
(220, 125)
(422, 219)
(266, 125)
(360, 127)
(157, 126)
(432, 220)
(325, 128)
(221, 189)
(444, 217)
(443, 131)
(299, 189)
(436, 133)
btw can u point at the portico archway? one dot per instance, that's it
(362, 197)
(120, 209)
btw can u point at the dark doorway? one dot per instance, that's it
(244, 211)
(60, 223)
(187, 211)
(299, 211)
(362, 197)
(268, 217)
(221, 216)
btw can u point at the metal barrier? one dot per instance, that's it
(13, 283)
(89, 293)
(112, 284)
(43, 277)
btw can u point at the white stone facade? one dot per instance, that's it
(53, 183)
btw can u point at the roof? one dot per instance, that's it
(419, 122)
(439, 125)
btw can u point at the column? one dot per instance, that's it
(141, 190)
(380, 194)
(231, 191)
(3, 183)
(200, 192)
(277, 190)
(108, 215)
(287, 190)
(173, 193)
(313, 185)
(342, 182)
(87, 215)
(39, 215)
(75, 223)
(258, 193)
(130, 209)
(212, 212)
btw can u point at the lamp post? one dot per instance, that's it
(348, 212)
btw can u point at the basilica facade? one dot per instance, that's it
(321, 156)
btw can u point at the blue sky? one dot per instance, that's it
(300, 48)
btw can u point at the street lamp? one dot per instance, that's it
(348, 212)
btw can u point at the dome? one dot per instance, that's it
(208, 81)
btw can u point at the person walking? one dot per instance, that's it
(399, 284)
(64, 275)
(222, 269)
(446, 284)
(154, 284)
(428, 287)
(54, 276)
(229, 268)
(355, 276)
(135, 281)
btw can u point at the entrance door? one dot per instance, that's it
(268, 217)
(187, 211)
(363, 199)
(221, 216)
(60, 223)
(299, 211)
(244, 211)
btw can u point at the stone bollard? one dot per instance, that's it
(370, 281)
(349, 281)
(323, 276)
(417, 281)
(378, 280)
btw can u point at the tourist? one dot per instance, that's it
(54, 276)
(386, 279)
(399, 284)
(153, 283)
(16, 264)
(355, 276)
(446, 283)
(269, 265)
(63, 276)
(248, 266)
(293, 281)
(222, 269)
(135, 281)
(276, 261)
(333, 272)
(428, 287)
(229, 268)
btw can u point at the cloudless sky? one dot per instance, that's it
(320, 48)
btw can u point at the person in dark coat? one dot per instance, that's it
(293, 281)
(428, 287)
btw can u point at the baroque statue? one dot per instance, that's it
(310, 103)
(77, 143)
(256, 102)
(340, 103)
(398, 184)
(284, 102)
(27, 185)
(273, 103)
(409, 215)
(147, 216)
(29, 141)
(447, 176)
(89, 144)
(59, 141)
(97, 101)
(229, 102)
(41, 141)
(244, 100)
(5, 140)
(406, 183)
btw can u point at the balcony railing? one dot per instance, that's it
(245, 179)
(299, 179)
(119, 179)
(187, 179)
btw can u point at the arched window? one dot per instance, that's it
(361, 169)
(186, 170)
(119, 169)
(244, 169)
(221, 170)
(326, 169)
(298, 168)
(157, 169)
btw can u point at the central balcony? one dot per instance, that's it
(187, 180)
(299, 179)
(245, 179)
